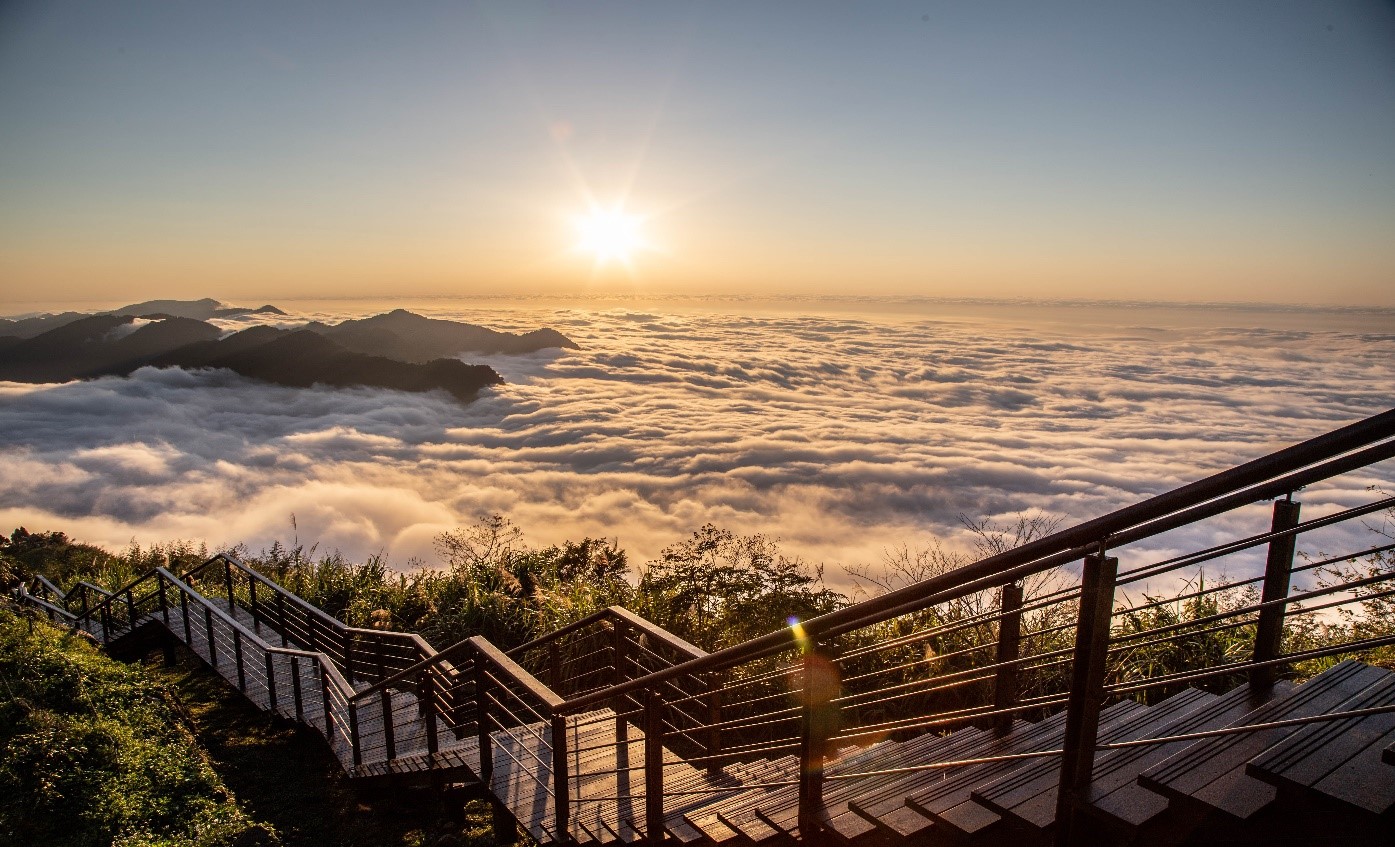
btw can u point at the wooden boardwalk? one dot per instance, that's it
(997, 799)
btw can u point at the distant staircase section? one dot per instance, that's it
(1015, 701)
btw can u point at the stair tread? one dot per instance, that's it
(1340, 759)
(849, 824)
(1028, 793)
(1115, 795)
(1211, 771)
(781, 809)
(956, 787)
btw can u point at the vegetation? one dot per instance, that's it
(95, 754)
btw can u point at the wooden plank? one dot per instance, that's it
(683, 815)
(1339, 759)
(854, 822)
(1116, 798)
(956, 788)
(1028, 793)
(1211, 772)
(782, 810)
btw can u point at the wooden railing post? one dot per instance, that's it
(1088, 669)
(653, 767)
(281, 616)
(619, 654)
(106, 622)
(228, 581)
(164, 606)
(208, 631)
(482, 722)
(554, 666)
(252, 601)
(818, 716)
(184, 612)
(426, 693)
(388, 739)
(1009, 651)
(237, 660)
(348, 655)
(353, 733)
(560, 783)
(1269, 630)
(270, 683)
(712, 734)
(295, 689)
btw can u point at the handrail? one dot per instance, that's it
(330, 670)
(660, 634)
(274, 586)
(90, 586)
(44, 604)
(395, 681)
(516, 672)
(48, 586)
(1139, 520)
(574, 626)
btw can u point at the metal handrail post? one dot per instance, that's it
(1086, 693)
(653, 768)
(561, 795)
(1278, 568)
(1005, 686)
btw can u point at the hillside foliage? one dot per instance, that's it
(95, 754)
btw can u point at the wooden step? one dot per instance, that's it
(1028, 794)
(782, 812)
(731, 779)
(949, 803)
(709, 817)
(1211, 772)
(749, 818)
(891, 810)
(849, 824)
(1116, 798)
(1339, 759)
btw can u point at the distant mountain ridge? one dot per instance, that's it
(199, 310)
(408, 336)
(398, 350)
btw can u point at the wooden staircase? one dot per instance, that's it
(969, 730)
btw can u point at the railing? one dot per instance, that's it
(319, 695)
(366, 655)
(1038, 630)
(512, 702)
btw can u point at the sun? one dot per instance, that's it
(610, 235)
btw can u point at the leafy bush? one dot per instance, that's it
(94, 754)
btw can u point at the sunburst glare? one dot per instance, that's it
(610, 235)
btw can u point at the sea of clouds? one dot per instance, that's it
(844, 435)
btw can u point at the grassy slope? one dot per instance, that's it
(92, 753)
(284, 774)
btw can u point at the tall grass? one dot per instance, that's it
(95, 755)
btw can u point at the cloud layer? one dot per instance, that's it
(842, 436)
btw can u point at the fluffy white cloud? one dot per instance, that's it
(843, 437)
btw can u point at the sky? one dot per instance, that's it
(1239, 151)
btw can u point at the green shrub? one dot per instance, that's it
(94, 754)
